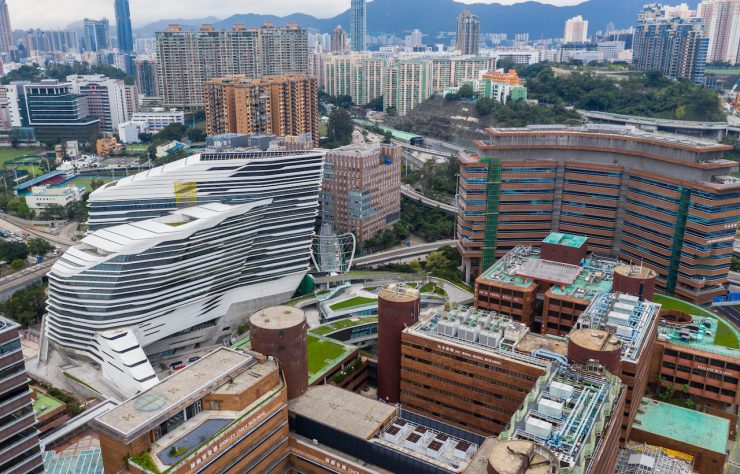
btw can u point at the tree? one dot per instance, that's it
(402, 233)
(17, 264)
(375, 104)
(466, 91)
(26, 306)
(196, 134)
(437, 261)
(95, 183)
(145, 137)
(388, 137)
(173, 131)
(53, 211)
(10, 251)
(39, 246)
(76, 211)
(484, 106)
(340, 128)
(18, 207)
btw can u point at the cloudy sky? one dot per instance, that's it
(60, 13)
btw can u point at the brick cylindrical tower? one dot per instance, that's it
(634, 280)
(280, 332)
(585, 344)
(398, 308)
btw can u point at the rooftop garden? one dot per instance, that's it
(343, 324)
(726, 335)
(322, 351)
(353, 302)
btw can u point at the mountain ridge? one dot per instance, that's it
(398, 17)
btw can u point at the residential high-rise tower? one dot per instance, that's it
(277, 105)
(97, 34)
(123, 26)
(358, 25)
(722, 27)
(576, 30)
(338, 40)
(187, 59)
(675, 45)
(468, 33)
(146, 76)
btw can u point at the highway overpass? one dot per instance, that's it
(398, 254)
(411, 193)
(24, 278)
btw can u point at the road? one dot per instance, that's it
(17, 280)
(399, 254)
(63, 241)
(411, 193)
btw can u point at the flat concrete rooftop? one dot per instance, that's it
(532, 342)
(343, 410)
(568, 240)
(178, 390)
(681, 424)
(627, 131)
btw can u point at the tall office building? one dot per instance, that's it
(674, 45)
(361, 192)
(179, 254)
(146, 77)
(123, 26)
(468, 33)
(56, 112)
(276, 105)
(106, 99)
(186, 60)
(97, 34)
(722, 27)
(525, 183)
(576, 30)
(358, 25)
(6, 32)
(338, 40)
(19, 438)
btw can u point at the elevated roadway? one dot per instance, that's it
(395, 255)
(411, 193)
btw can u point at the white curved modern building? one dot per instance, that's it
(180, 254)
(291, 178)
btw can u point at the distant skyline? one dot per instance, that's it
(57, 14)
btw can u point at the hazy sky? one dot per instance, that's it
(26, 14)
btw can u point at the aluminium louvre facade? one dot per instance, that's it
(188, 288)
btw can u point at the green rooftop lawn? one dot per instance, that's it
(352, 302)
(320, 351)
(432, 287)
(44, 404)
(726, 336)
(342, 324)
